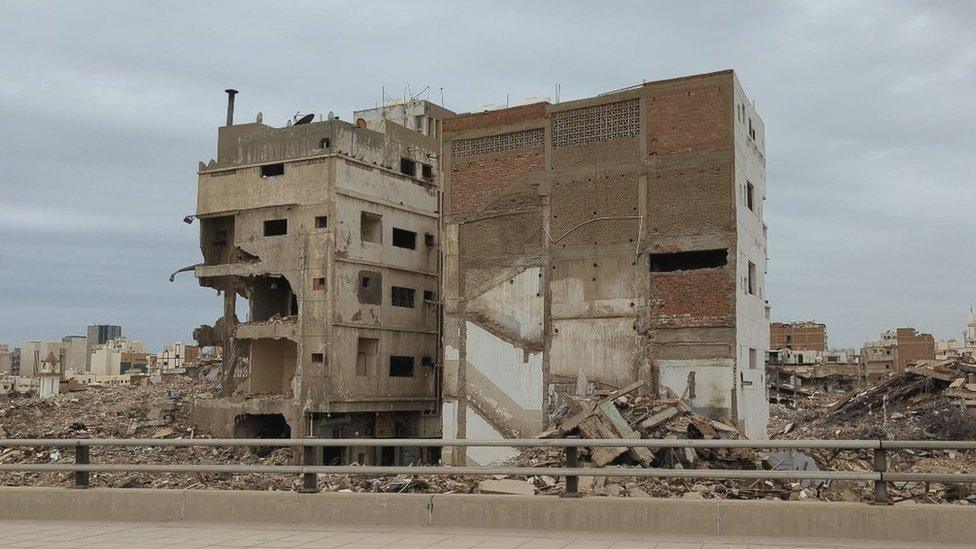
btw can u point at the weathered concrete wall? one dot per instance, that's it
(586, 190)
(305, 287)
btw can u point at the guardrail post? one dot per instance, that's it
(880, 467)
(82, 457)
(572, 481)
(309, 480)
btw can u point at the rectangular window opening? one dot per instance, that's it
(367, 350)
(370, 227)
(428, 295)
(271, 170)
(321, 221)
(318, 358)
(275, 227)
(401, 366)
(403, 238)
(687, 261)
(752, 278)
(427, 172)
(318, 283)
(408, 167)
(750, 191)
(402, 297)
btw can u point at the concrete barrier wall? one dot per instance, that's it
(917, 523)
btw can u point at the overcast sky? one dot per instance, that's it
(106, 107)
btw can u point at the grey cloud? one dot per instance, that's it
(107, 106)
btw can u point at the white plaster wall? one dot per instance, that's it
(478, 428)
(713, 384)
(516, 372)
(603, 347)
(752, 325)
(515, 304)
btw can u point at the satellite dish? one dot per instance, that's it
(305, 119)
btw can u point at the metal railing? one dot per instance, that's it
(879, 475)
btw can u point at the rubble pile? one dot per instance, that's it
(930, 400)
(157, 410)
(629, 413)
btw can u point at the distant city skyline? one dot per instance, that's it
(867, 110)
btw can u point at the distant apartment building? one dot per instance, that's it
(894, 351)
(75, 353)
(6, 360)
(617, 238)
(329, 230)
(799, 336)
(173, 358)
(100, 334)
(119, 356)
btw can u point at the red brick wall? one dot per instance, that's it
(691, 299)
(698, 119)
(476, 180)
(913, 346)
(801, 337)
(500, 117)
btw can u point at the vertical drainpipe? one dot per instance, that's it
(231, 92)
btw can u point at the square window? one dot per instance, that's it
(403, 238)
(402, 297)
(321, 221)
(428, 295)
(401, 366)
(370, 227)
(318, 283)
(272, 170)
(276, 227)
(427, 172)
(408, 167)
(318, 358)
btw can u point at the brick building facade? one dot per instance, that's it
(611, 239)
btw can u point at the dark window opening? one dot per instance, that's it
(401, 366)
(428, 295)
(426, 361)
(325, 143)
(318, 358)
(271, 170)
(387, 456)
(261, 426)
(750, 190)
(402, 297)
(276, 227)
(220, 238)
(370, 227)
(321, 221)
(429, 240)
(408, 167)
(334, 455)
(427, 172)
(686, 261)
(403, 238)
(293, 309)
(318, 283)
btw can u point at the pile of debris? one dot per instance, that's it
(925, 384)
(630, 413)
(153, 410)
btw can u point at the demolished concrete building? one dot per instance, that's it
(330, 232)
(601, 242)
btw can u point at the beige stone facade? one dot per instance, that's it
(327, 235)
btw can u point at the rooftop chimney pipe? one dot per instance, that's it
(230, 105)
